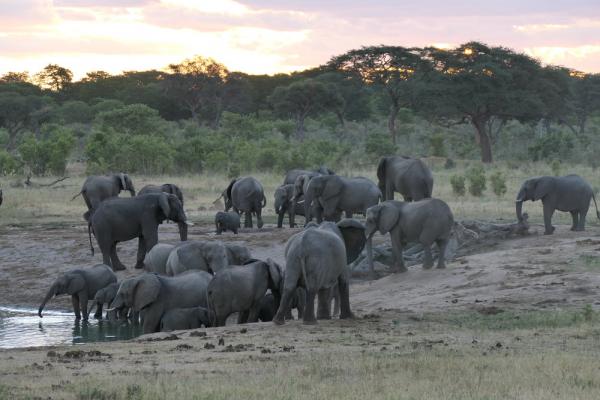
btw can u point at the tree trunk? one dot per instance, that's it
(483, 138)
(300, 128)
(394, 109)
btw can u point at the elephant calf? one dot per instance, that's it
(286, 203)
(227, 221)
(179, 319)
(268, 306)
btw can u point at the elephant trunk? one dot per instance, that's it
(519, 209)
(370, 253)
(51, 293)
(183, 231)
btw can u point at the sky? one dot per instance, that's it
(271, 36)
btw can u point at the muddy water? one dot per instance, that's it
(22, 327)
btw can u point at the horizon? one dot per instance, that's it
(269, 37)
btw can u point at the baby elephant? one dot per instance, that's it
(227, 221)
(105, 296)
(179, 319)
(268, 306)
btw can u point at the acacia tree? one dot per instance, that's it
(304, 98)
(584, 100)
(54, 77)
(477, 84)
(395, 70)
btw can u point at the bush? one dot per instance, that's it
(498, 182)
(436, 142)
(555, 167)
(476, 178)
(379, 145)
(458, 184)
(132, 119)
(49, 154)
(553, 145)
(8, 163)
(449, 164)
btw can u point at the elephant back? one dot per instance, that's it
(247, 194)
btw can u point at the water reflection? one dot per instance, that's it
(21, 327)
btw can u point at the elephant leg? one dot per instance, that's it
(284, 305)
(75, 302)
(441, 244)
(112, 315)
(575, 217)
(98, 313)
(389, 192)
(348, 214)
(114, 259)
(280, 219)
(243, 316)
(397, 252)
(344, 293)
(291, 219)
(259, 221)
(427, 257)
(141, 253)
(253, 313)
(151, 322)
(83, 304)
(581, 225)
(300, 302)
(335, 295)
(247, 219)
(323, 305)
(309, 311)
(548, 212)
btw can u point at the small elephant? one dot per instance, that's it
(285, 201)
(268, 306)
(96, 189)
(82, 285)
(118, 220)
(154, 295)
(408, 176)
(179, 319)
(197, 255)
(316, 260)
(105, 296)
(564, 193)
(156, 259)
(237, 254)
(227, 221)
(246, 195)
(291, 176)
(241, 288)
(332, 195)
(425, 221)
(169, 188)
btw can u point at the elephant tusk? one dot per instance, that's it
(519, 201)
(188, 223)
(111, 309)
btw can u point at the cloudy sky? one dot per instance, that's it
(268, 36)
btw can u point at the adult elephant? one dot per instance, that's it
(1, 198)
(293, 174)
(209, 256)
(332, 195)
(246, 195)
(155, 295)
(285, 203)
(156, 259)
(241, 289)
(408, 176)
(82, 285)
(179, 319)
(96, 189)
(563, 193)
(118, 220)
(427, 221)
(169, 188)
(316, 260)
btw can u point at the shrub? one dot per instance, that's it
(449, 164)
(379, 145)
(458, 184)
(8, 163)
(49, 154)
(555, 167)
(476, 178)
(436, 142)
(498, 182)
(132, 119)
(553, 145)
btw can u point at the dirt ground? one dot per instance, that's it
(402, 319)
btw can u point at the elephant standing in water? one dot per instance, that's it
(96, 189)
(82, 285)
(426, 221)
(169, 188)
(246, 195)
(408, 176)
(564, 193)
(316, 260)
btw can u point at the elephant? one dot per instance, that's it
(237, 254)
(105, 296)
(169, 188)
(82, 285)
(1, 198)
(408, 176)
(197, 255)
(425, 221)
(332, 194)
(178, 319)
(246, 195)
(268, 306)
(227, 221)
(316, 260)
(154, 295)
(284, 202)
(241, 288)
(156, 259)
(96, 189)
(291, 176)
(118, 220)
(564, 193)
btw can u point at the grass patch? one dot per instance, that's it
(590, 262)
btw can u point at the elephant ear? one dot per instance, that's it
(146, 291)
(332, 187)
(163, 202)
(123, 183)
(275, 273)
(75, 283)
(387, 217)
(381, 169)
(542, 187)
(354, 236)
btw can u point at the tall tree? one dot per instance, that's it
(584, 100)
(15, 77)
(54, 77)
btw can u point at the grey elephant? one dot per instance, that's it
(564, 193)
(105, 296)
(408, 176)
(426, 221)
(285, 203)
(241, 288)
(154, 295)
(178, 319)
(156, 259)
(268, 306)
(1, 198)
(173, 189)
(81, 285)
(121, 219)
(332, 195)
(316, 260)
(227, 221)
(96, 189)
(209, 256)
(291, 175)
(237, 254)
(246, 195)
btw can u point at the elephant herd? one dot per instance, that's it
(202, 283)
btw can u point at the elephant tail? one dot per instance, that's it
(77, 195)
(90, 237)
(596, 206)
(264, 201)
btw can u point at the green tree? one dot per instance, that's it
(584, 100)
(48, 153)
(133, 119)
(54, 77)
(20, 112)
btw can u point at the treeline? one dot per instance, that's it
(197, 115)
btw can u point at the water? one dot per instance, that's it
(22, 327)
